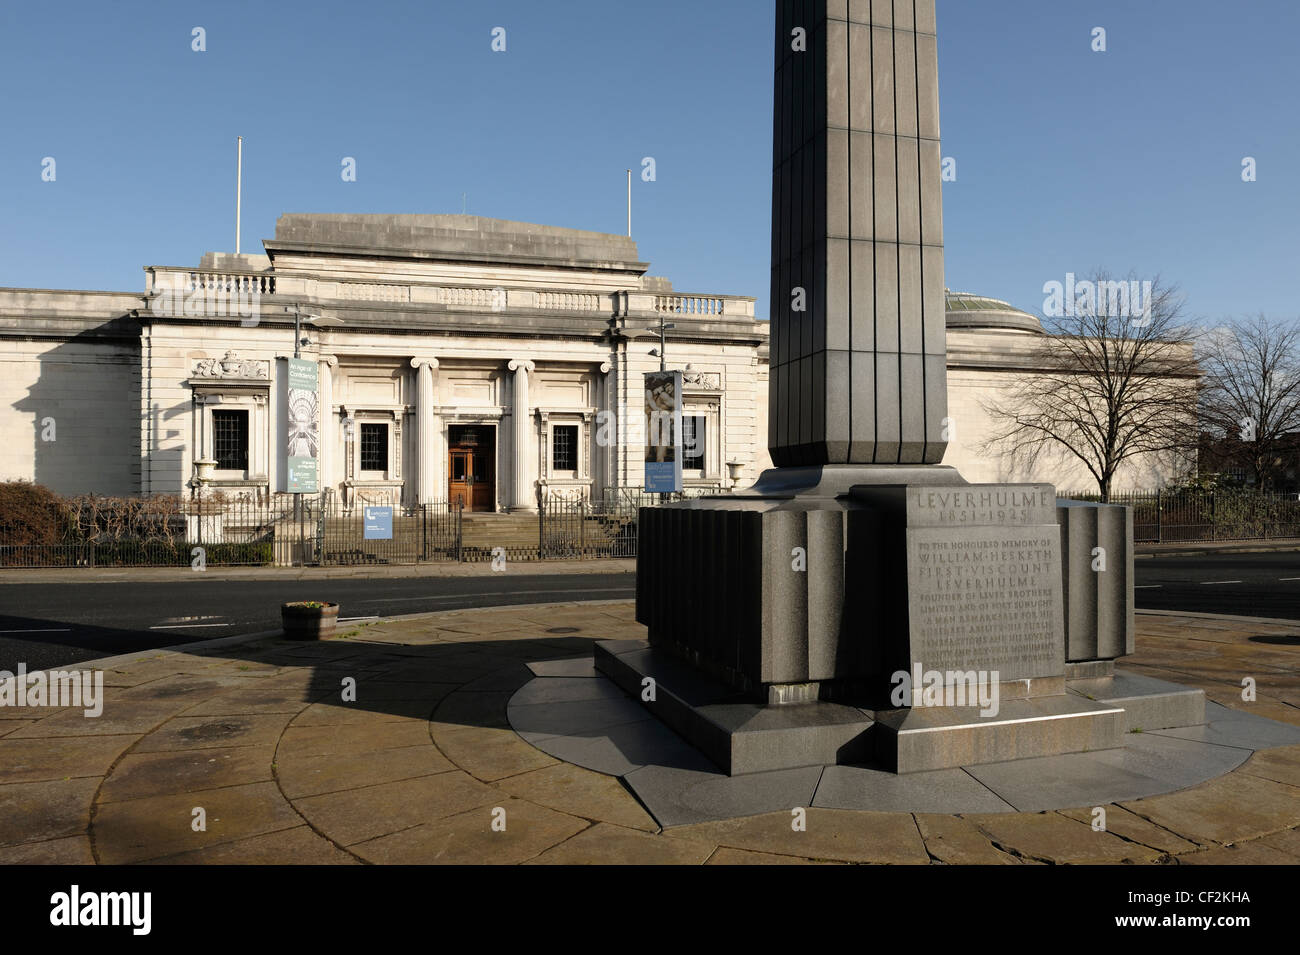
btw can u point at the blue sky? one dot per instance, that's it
(1067, 159)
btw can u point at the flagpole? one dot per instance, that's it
(239, 188)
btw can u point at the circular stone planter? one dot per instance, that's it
(309, 619)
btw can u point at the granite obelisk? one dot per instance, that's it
(797, 603)
(858, 371)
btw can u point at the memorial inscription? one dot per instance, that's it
(984, 590)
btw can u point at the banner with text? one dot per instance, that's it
(303, 452)
(663, 453)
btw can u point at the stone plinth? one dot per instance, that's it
(765, 588)
(970, 581)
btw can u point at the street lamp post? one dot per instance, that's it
(299, 340)
(662, 350)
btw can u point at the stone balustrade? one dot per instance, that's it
(190, 280)
(571, 301)
(690, 304)
(630, 303)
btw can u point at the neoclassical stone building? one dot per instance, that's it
(458, 357)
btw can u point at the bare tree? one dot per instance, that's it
(1115, 379)
(1250, 402)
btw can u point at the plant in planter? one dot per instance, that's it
(309, 619)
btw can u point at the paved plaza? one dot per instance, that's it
(425, 767)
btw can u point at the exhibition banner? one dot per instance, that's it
(663, 452)
(303, 451)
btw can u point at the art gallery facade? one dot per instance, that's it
(459, 358)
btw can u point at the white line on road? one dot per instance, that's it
(189, 626)
(1208, 583)
(1289, 578)
(355, 619)
(512, 593)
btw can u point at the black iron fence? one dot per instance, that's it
(159, 531)
(582, 530)
(403, 534)
(320, 530)
(1201, 514)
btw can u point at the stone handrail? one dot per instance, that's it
(497, 299)
(190, 280)
(570, 301)
(690, 304)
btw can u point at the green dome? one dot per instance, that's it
(969, 311)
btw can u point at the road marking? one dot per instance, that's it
(511, 593)
(189, 626)
(1289, 578)
(355, 619)
(1208, 583)
(44, 630)
(1147, 586)
(210, 616)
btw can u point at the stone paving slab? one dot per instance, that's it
(936, 791)
(424, 767)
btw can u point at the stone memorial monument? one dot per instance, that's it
(805, 620)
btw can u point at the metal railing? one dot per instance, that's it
(583, 530)
(161, 531)
(420, 532)
(1204, 514)
(320, 530)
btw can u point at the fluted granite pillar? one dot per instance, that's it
(524, 496)
(426, 431)
(858, 325)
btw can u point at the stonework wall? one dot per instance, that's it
(85, 396)
(982, 370)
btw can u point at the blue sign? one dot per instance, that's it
(661, 477)
(379, 523)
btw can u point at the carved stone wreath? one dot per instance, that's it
(703, 379)
(231, 366)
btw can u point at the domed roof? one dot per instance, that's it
(966, 310)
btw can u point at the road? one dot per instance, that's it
(45, 624)
(1249, 585)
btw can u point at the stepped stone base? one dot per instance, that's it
(742, 736)
(921, 738)
(738, 735)
(1148, 703)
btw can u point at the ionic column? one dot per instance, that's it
(525, 495)
(328, 423)
(426, 430)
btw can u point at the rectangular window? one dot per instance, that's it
(230, 439)
(564, 447)
(693, 434)
(374, 447)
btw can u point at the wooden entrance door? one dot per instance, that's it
(470, 478)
